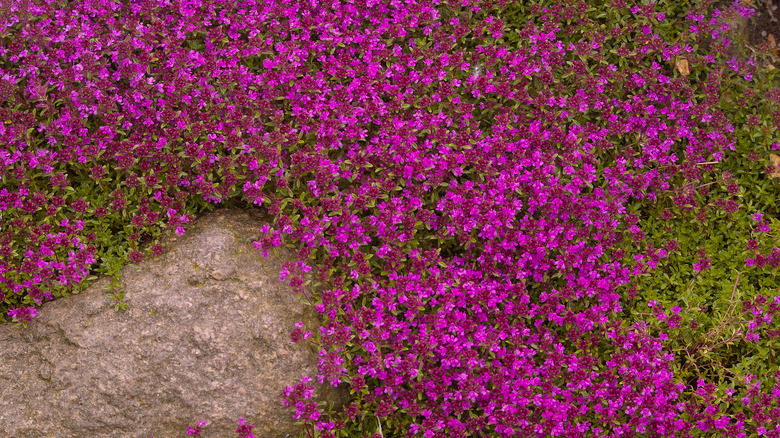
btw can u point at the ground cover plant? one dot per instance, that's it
(545, 218)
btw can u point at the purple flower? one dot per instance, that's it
(722, 422)
(23, 314)
(196, 430)
(245, 430)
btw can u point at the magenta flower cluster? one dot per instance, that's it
(375, 114)
(244, 430)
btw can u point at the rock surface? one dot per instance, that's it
(207, 336)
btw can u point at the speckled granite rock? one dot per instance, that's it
(207, 335)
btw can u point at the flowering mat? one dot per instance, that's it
(516, 218)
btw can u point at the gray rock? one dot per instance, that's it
(206, 336)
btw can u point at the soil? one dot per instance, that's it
(762, 28)
(764, 25)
